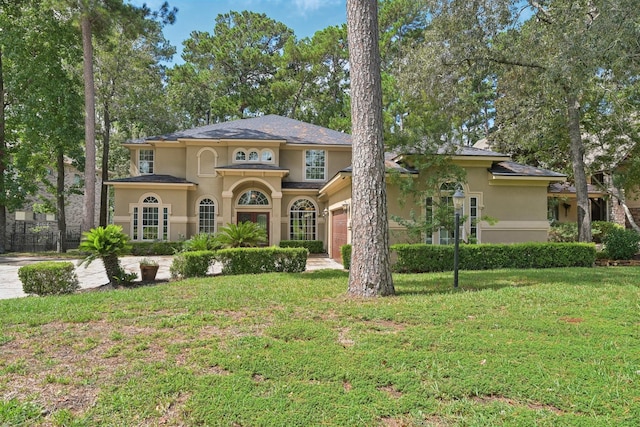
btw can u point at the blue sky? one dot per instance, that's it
(304, 17)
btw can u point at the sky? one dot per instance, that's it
(304, 17)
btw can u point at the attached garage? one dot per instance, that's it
(338, 233)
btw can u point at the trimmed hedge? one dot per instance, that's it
(191, 264)
(262, 260)
(155, 248)
(314, 246)
(345, 252)
(422, 258)
(48, 278)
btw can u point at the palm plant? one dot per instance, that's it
(107, 243)
(242, 235)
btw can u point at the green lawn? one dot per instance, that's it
(512, 347)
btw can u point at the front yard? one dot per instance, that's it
(514, 347)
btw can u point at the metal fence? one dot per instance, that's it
(26, 241)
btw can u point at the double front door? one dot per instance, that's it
(260, 218)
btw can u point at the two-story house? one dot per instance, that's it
(294, 178)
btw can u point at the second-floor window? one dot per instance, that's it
(315, 165)
(145, 161)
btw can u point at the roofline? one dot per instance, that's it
(144, 185)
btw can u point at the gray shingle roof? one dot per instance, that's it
(154, 179)
(302, 185)
(270, 127)
(508, 168)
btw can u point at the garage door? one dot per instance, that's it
(338, 233)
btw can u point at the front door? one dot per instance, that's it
(260, 218)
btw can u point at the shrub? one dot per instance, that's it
(345, 252)
(201, 242)
(155, 248)
(107, 243)
(601, 229)
(563, 232)
(243, 235)
(621, 244)
(48, 278)
(191, 264)
(313, 246)
(422, 258)
(262, 260)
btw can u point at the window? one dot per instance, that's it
(207, 216)
(241, 156)
(302, 220)
(253, 198)
(474, 217)
(315, 162)
(442, 215)
(267, 156)
(145, 162)
(253, 156)
(150, 220)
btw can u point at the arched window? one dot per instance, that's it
(241, 156)
(253, 156)
(252, 198)
(207, 216)
(150, 220)
(302, 220)
(267, 156)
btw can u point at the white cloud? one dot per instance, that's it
(305, 6)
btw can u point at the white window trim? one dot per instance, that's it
(304, 165)
(239, 206)
(216, 212)
(153, 152)
(317, 211)
(161, 206)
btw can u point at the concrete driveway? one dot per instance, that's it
(94, 275)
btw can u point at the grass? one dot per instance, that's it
(557, 347)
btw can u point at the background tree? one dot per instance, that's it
(370, 271)
(41, 112)
(130, 90)
(234, 66)
(564, 48)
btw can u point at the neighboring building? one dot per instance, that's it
(294, 178)
(28, 229)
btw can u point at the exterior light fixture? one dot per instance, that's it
(458, 202)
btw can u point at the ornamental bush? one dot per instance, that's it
(345, 252)
(262, 260)
(155, 248)
(423, 258)
(191, 264)
(621, 244)
(48, 278)
(314, 246)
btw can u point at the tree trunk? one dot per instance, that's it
(579, 174)
(104, 190)
(89, 201)
(60, 201)
(112, 268)
(370, 271)
(3, 165)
